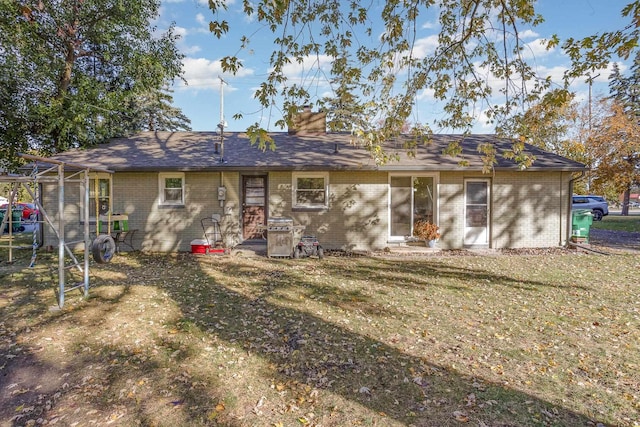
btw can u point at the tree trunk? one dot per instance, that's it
(63, 87)
(65, 78)
(625, 201)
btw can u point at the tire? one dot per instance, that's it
(103, 249)
(597, 215)
(320, 252)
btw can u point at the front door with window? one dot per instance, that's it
(253, 205)
(476, 212)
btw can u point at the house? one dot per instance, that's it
(167, 182)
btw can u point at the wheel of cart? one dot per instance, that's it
(308, 246)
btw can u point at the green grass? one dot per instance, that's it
(183, 340)
(629, 223)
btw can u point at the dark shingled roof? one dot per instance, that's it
(195, 151)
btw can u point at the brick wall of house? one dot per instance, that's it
(528, 209)
(357, 215)
(159, 228)
(451, 206)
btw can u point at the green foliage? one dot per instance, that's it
(77, 73)
(376, 74)
(376, 79)
(616, 146)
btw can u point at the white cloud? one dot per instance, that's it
(206, 2)
(425, 46)
(536, 49)
(190, 50)
(201, 20)
(180, 31)
(556, 72)
(185, 48)
(528, 34)
(311, 65)
(425, 95)
(203, 74)
(429, 25)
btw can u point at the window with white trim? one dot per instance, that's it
(99, 196)
(171, 189)
(310, 189)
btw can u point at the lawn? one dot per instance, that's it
(619, 223)
(185, 340)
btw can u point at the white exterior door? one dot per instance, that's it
(476, 212)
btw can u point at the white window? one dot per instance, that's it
(99, 196)
(310, 190)
(171, 187)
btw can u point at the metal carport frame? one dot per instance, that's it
(52, 171)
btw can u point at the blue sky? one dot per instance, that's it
(200, 99)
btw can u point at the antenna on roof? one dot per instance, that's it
(222, 123)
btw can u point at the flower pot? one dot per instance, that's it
(432, 243)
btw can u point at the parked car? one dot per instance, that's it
(634, 204)
(598, 205)
(29, 210)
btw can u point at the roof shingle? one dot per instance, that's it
(196, 151)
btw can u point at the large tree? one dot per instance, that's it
(377, 72)
(76, 72)
(620, 126)
(616, 147)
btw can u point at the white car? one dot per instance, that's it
(3, 200)
(598, 205)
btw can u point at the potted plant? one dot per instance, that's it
(427, 231)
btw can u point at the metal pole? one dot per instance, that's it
(61, 242)
(221, 125)
(87, 237)
(9, 213)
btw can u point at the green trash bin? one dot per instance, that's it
(16, 220)
(581, 220)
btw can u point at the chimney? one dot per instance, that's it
(309, 123)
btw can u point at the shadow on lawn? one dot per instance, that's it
(307, 349)
(302, 349)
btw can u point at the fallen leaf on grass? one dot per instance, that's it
(471, 400)
(460, 416)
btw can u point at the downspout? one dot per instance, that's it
(222, 185)
(569, 215)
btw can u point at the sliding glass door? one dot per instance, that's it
(412, 198)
